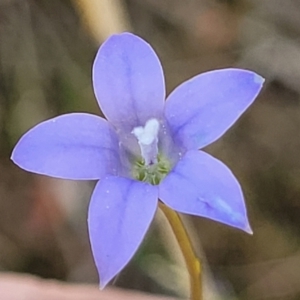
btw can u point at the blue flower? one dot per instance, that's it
(146, 150)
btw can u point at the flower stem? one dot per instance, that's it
(192, 262)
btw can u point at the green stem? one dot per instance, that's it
(191, 260)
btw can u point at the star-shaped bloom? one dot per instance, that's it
(146, 149)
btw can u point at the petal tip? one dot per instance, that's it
(103, 283)
(124, 35)
(248, 229)
(12, 156)
(259, 79)
(15, 156)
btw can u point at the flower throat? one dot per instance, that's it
(152, 167)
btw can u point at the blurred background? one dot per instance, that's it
(46, 52)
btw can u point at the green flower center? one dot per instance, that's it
(153, 173)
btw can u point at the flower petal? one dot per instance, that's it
(120, 213)
(71, 146)
(200, 110)
(128, 81)
(202, 185)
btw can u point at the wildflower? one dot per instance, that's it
(146, 150)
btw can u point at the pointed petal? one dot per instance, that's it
(201, 110)
(128, 81)
(202, 185)
(71, 146)
(120, 213)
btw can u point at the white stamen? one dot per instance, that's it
(147, 139)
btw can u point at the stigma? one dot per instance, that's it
(147, 137)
